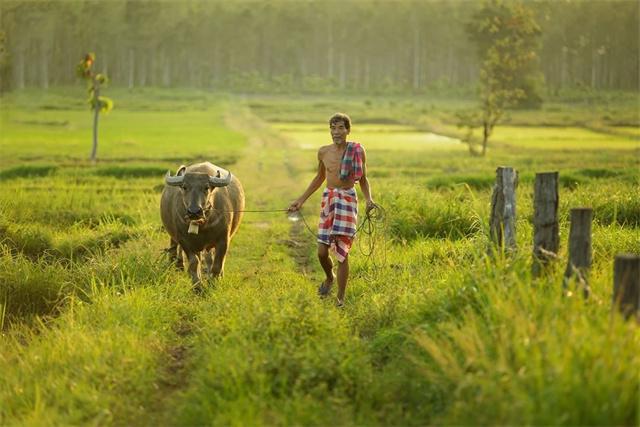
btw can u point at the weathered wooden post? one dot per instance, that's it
(579, 262)
(546, 235)
(502, 224)
(626, 285)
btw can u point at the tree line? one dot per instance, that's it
(304, 46)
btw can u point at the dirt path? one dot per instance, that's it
(271, 154)
(270, 176)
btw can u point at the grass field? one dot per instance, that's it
(98, 328)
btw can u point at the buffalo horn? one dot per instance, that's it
(220, 182)
(173, 180)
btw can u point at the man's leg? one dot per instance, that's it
(326, 263)
(343, 276)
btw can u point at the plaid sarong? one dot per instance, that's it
(338, 219)
(351, 164)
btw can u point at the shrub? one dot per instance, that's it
(27, 171)
(413, 214)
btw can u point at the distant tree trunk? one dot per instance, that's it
(594, 68)
(330, 66)
(216, 62)
(152, 68)
(564, 68)
(343, 70)
(132, 68)
(19, 70)
(105, 64)
(367, 74)
(96, 116)
(142, 71)
(44, 69)
(486, 133)
(166, 71)
(303, 67)
(450, 60)
(355, 75)
(190, 73)
(416, 58)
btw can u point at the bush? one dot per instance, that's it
(413, 214)
(126, 172)
(31, 288)
(27, 171)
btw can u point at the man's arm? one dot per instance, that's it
(364, 183)
(315, 183)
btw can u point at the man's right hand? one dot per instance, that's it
(295, 206)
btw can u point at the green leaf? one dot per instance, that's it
(102, 79)
(106, 104)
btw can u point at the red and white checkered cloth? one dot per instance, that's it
(351, 163)
(338, 219)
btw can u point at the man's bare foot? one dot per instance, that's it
(325, 287)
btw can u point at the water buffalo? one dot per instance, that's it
(201, 210)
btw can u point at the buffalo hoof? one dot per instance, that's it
(198, 289)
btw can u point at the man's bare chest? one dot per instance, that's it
(332, 162)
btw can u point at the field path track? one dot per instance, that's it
(270, 175)
(270, 172)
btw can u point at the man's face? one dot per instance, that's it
(338, 132)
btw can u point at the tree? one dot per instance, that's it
(506, 35)
(99, 104)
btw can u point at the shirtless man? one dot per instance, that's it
(342, 164)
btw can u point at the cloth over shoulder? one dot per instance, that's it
(351, 164)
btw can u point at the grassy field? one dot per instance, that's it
(98, 328)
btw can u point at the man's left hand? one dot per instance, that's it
(370, 205)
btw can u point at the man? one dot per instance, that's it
(342, 164)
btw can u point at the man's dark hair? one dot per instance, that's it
(341, 117)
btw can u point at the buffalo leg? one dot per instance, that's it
(194, 268)
(208, 261)
(217, 269)
(175, 254)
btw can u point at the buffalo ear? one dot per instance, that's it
(181, 170)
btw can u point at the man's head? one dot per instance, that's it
(340, 126)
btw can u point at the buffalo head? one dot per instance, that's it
(196, 187)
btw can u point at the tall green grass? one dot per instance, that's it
(98, 328)
(101, 362)
(559, 360)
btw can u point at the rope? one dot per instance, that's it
(247, 210)
(374, 226)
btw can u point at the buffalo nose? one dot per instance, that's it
(194, 211)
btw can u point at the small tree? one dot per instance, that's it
(99, 104)
(506, 35)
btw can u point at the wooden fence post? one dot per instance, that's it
(579, 262)
(502, 224)
(626, 285)
(546, 235)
